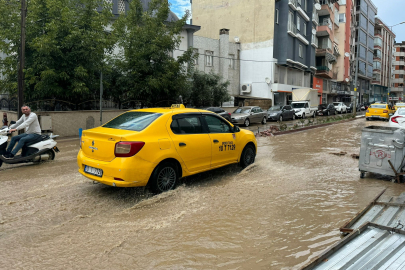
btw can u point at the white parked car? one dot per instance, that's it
(398, 119)
(340, 107)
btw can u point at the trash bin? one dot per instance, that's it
(378, 146)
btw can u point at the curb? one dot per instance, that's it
(317, 126)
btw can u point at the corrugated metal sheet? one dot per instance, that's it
(389, 213)
(372, 246)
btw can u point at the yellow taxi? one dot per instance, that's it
(399, 105)
(379, 111)
(157, 146)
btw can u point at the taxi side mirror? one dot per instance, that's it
(236, 129)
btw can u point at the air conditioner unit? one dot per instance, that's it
(246, 88)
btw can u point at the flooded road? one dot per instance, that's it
(277, 214)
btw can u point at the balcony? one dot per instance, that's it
(303, 39)
(324, 29)
(293, 4)
(397, 89)
(325, 9)
(303, 14)
(292, 29)
(315, 18)
(314, 41)
(324, 71)
(377, 33)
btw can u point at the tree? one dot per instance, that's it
(65, 48)
(146, 41)
(208, 90)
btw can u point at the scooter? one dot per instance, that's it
(42, 149)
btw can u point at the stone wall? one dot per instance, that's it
(68, 123)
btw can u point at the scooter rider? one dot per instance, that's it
(28, 122)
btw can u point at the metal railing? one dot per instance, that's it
(314, 40)
(315, 17)
(322, 68)
(292, 27)
(326, 22)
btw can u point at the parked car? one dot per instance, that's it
(248, 114)
(326, 109)
(280, 113)
(399, 105)
(350, 108)
(303, 109)
(220, 112)
(379, 111)
(398, 118)
(340, 107)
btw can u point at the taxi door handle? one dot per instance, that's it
(216, 141)
(182, 144)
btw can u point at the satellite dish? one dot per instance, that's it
(318, 6)
(268, 81)
(347, 79)
(313, 31)
(347, 54)
(236, 39)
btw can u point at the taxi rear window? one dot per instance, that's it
(135, 121)
(376, 106)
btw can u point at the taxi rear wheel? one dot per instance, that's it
(164, 177)
(248, 156)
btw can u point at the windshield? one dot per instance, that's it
(275, 108)
(401, 112)
(322, 106)
(376, 106)
(135, 121)
(336, 103)
(298, 105)
(242, 110)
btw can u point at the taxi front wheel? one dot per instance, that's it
(248, 156)
(164, 177)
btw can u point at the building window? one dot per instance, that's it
(298, 23)
(305, 4)
(276, 16)
(231, 61)
(305, 29)
(342, 17)
(300, 51)
(209, 58)
(195, 51)
(299, 2)
(401, 76)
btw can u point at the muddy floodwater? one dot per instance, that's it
(277, 214)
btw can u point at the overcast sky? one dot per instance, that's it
(389, 11)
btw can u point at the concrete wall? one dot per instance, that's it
(68, 123)
(250, 20)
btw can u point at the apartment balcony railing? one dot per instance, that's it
(314, 41)
(377, 33)
(322, 68)
(292, 28)
(315, 17)
(326, 23)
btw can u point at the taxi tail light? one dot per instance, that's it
(127, 149)
(394, 119)
(385, 111)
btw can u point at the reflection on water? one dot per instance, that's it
(277, 214)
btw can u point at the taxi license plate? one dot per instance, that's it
(93, 171)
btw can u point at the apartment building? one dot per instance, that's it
(269, 70)
(398, 81)
(365, 12)
(382, 63)
(327, 52)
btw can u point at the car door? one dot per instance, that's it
(288, 112)
(260, 114)
(191, 140)
(223, 141)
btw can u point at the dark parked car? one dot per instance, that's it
(280, 113)
(220, 112)
(326, 109)
(350, 108)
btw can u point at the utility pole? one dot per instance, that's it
(357, 71)
(21, 84)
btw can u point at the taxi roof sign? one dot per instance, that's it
(177, 106)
